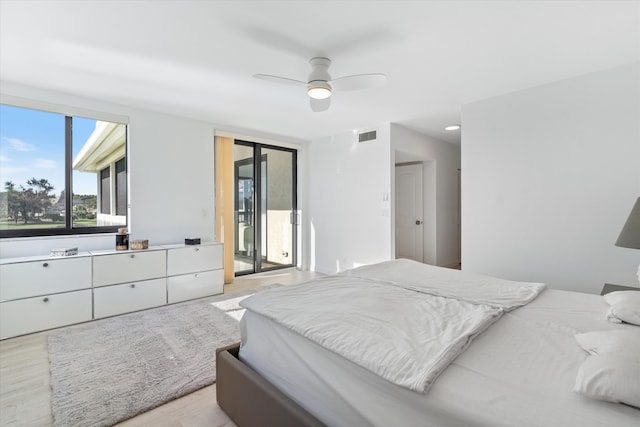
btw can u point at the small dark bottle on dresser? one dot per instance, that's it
(122, 240)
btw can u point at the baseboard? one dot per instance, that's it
(456, 265)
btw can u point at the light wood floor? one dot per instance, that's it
(24, 377)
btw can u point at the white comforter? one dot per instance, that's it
(402, 320)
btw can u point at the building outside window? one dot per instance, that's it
(103, 155)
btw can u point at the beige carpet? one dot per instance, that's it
(110, 370)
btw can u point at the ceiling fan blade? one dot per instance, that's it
(318, 105)
(359, 81)
(278, 79)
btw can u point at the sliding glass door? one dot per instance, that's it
(265, 206)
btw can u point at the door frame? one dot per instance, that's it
(420, 216)
(258, 158)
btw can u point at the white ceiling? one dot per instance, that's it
(197, 58)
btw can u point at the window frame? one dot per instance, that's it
(69, 113)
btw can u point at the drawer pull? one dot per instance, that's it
(196, 275)
(196, 249)
(45, 299)
(133, 285)
(132, 256)
(46, 264)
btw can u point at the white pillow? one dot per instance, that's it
(601, 342)
(612, 372)
(611, 377)
(625, 305)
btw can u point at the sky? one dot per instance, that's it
(32, 146)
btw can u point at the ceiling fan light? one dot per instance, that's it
(319, 90)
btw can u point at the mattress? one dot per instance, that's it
(518, 372)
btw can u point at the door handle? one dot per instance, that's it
(418, 222)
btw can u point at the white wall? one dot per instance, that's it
(441, 164)
(348, 220)
(171, 178)
(549, 177)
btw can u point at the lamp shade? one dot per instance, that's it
(319, 91)
(630, 234)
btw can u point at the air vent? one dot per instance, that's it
(367, 136)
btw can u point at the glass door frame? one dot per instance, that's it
(258, 158)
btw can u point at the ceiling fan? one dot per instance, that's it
(320, 84)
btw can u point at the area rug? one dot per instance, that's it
(110, 370)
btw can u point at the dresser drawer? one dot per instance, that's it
(128, 267)
(48, 276)
(197, 285)
(190, 259)
(36, 314)
(118, 299)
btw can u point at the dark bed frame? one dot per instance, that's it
(250, 400)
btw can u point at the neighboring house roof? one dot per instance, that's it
(59, 206)
(55, 209)
(105, 145)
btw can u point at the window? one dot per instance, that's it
(121, 187)
(60, 174)
(105, 191)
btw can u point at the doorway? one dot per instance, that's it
(409, 212)
(264, 207)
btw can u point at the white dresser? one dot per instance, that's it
(39, 293)
(194, 271)
(128, 281)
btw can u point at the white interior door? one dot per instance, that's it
(409, 212)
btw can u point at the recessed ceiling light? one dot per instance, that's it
(452, 127)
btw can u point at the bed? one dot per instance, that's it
(505, 353)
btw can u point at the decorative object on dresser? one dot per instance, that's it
(59, 252)
(192, 241)
(630, 234)
(110, 370)
(122, 240)
(139, 244)
(39, 293)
